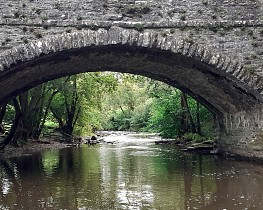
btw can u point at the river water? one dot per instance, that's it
(132, 173)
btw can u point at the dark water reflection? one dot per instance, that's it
(128, 175)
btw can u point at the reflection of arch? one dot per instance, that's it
(218, 82)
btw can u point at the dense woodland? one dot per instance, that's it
(79, 105)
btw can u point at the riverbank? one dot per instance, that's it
(31, 147)
(187, 143)
(45, 143)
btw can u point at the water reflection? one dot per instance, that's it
(128, 175)
(50, 161)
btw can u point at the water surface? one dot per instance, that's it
(133, 173)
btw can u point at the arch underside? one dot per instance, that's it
(215, 89)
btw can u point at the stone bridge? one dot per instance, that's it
(210, 49)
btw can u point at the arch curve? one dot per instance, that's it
(217, 81)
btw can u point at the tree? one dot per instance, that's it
(140, 103)
(2, 114)
(77, 105)
(187, 123)
(165, 114)
(34, 105)
(65, 107)
(13, 129)
(31, 110)
(198, 122)
(128, 106)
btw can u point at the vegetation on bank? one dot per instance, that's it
(80, 104)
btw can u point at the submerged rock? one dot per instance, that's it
(93, 138)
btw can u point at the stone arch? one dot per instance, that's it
(217, 81)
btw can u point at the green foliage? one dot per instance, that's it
(119, 122)
(195, 137)
(141, 116)
(165, 114)
(120, 106)
(50, 161)
(9, 115)
(77, 106)
(141, 104)
(49, 126)
(84, 103)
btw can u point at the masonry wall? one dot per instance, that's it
(242, 135)
(229, 27)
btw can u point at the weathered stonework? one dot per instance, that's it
(210, 49)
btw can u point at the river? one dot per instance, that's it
(132, 173)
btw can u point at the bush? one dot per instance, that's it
(194, 137)
(165, 115)
(140, 117)
(119, 122)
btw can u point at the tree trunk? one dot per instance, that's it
(32, 117)
(46, 113)
(198, 124)
(71, 109)
(2, 114)
(13, 129)
(32, 103)
(186, 120)
(22, 128)
(184, 124)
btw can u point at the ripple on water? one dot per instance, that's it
(132, 174)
